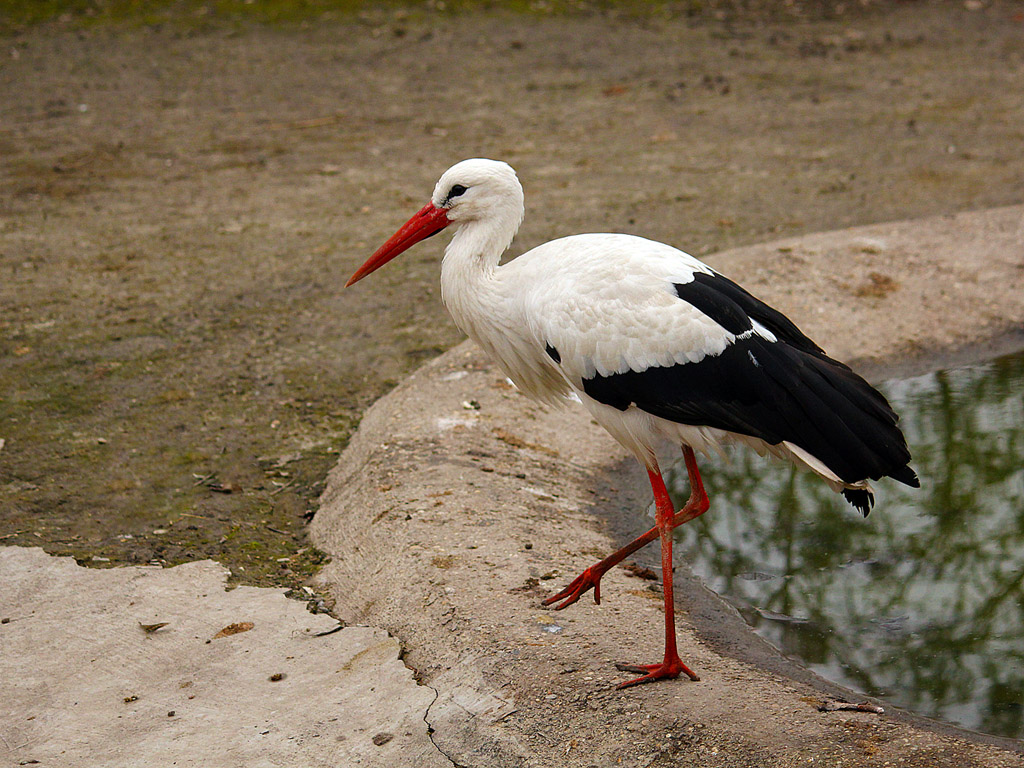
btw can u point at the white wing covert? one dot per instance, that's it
(606, 304)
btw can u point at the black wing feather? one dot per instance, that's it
(787, 390)
(776, 322)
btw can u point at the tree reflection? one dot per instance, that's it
(922, 603)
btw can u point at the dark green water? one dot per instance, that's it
(922, 603)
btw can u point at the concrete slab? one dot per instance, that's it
(83, 684)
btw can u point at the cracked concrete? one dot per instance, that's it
(83, 684)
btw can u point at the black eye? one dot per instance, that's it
(455, 191)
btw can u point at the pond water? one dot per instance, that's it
(922, 603)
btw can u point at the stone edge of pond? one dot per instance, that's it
(459, 505)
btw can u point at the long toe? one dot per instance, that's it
(589, 579)
(649, 673)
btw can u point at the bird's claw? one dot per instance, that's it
(666, 670)
(589, 579)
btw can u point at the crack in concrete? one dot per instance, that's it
(426, 713)
(430, 728)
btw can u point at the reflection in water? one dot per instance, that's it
(922, 603)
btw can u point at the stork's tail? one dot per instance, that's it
(863, 499)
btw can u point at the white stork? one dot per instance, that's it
(656, 345)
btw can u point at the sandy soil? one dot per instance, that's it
(180, 204)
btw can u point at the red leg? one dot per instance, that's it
(671, 665)
(696, 506)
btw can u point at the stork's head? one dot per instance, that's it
(473, 190)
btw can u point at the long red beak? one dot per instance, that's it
(428, 221)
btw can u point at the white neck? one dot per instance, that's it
(468, 286)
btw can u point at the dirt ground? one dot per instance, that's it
(181, 203)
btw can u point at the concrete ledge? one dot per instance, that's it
(459, 505)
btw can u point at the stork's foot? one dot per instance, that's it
(666, 670)
(589, 579)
